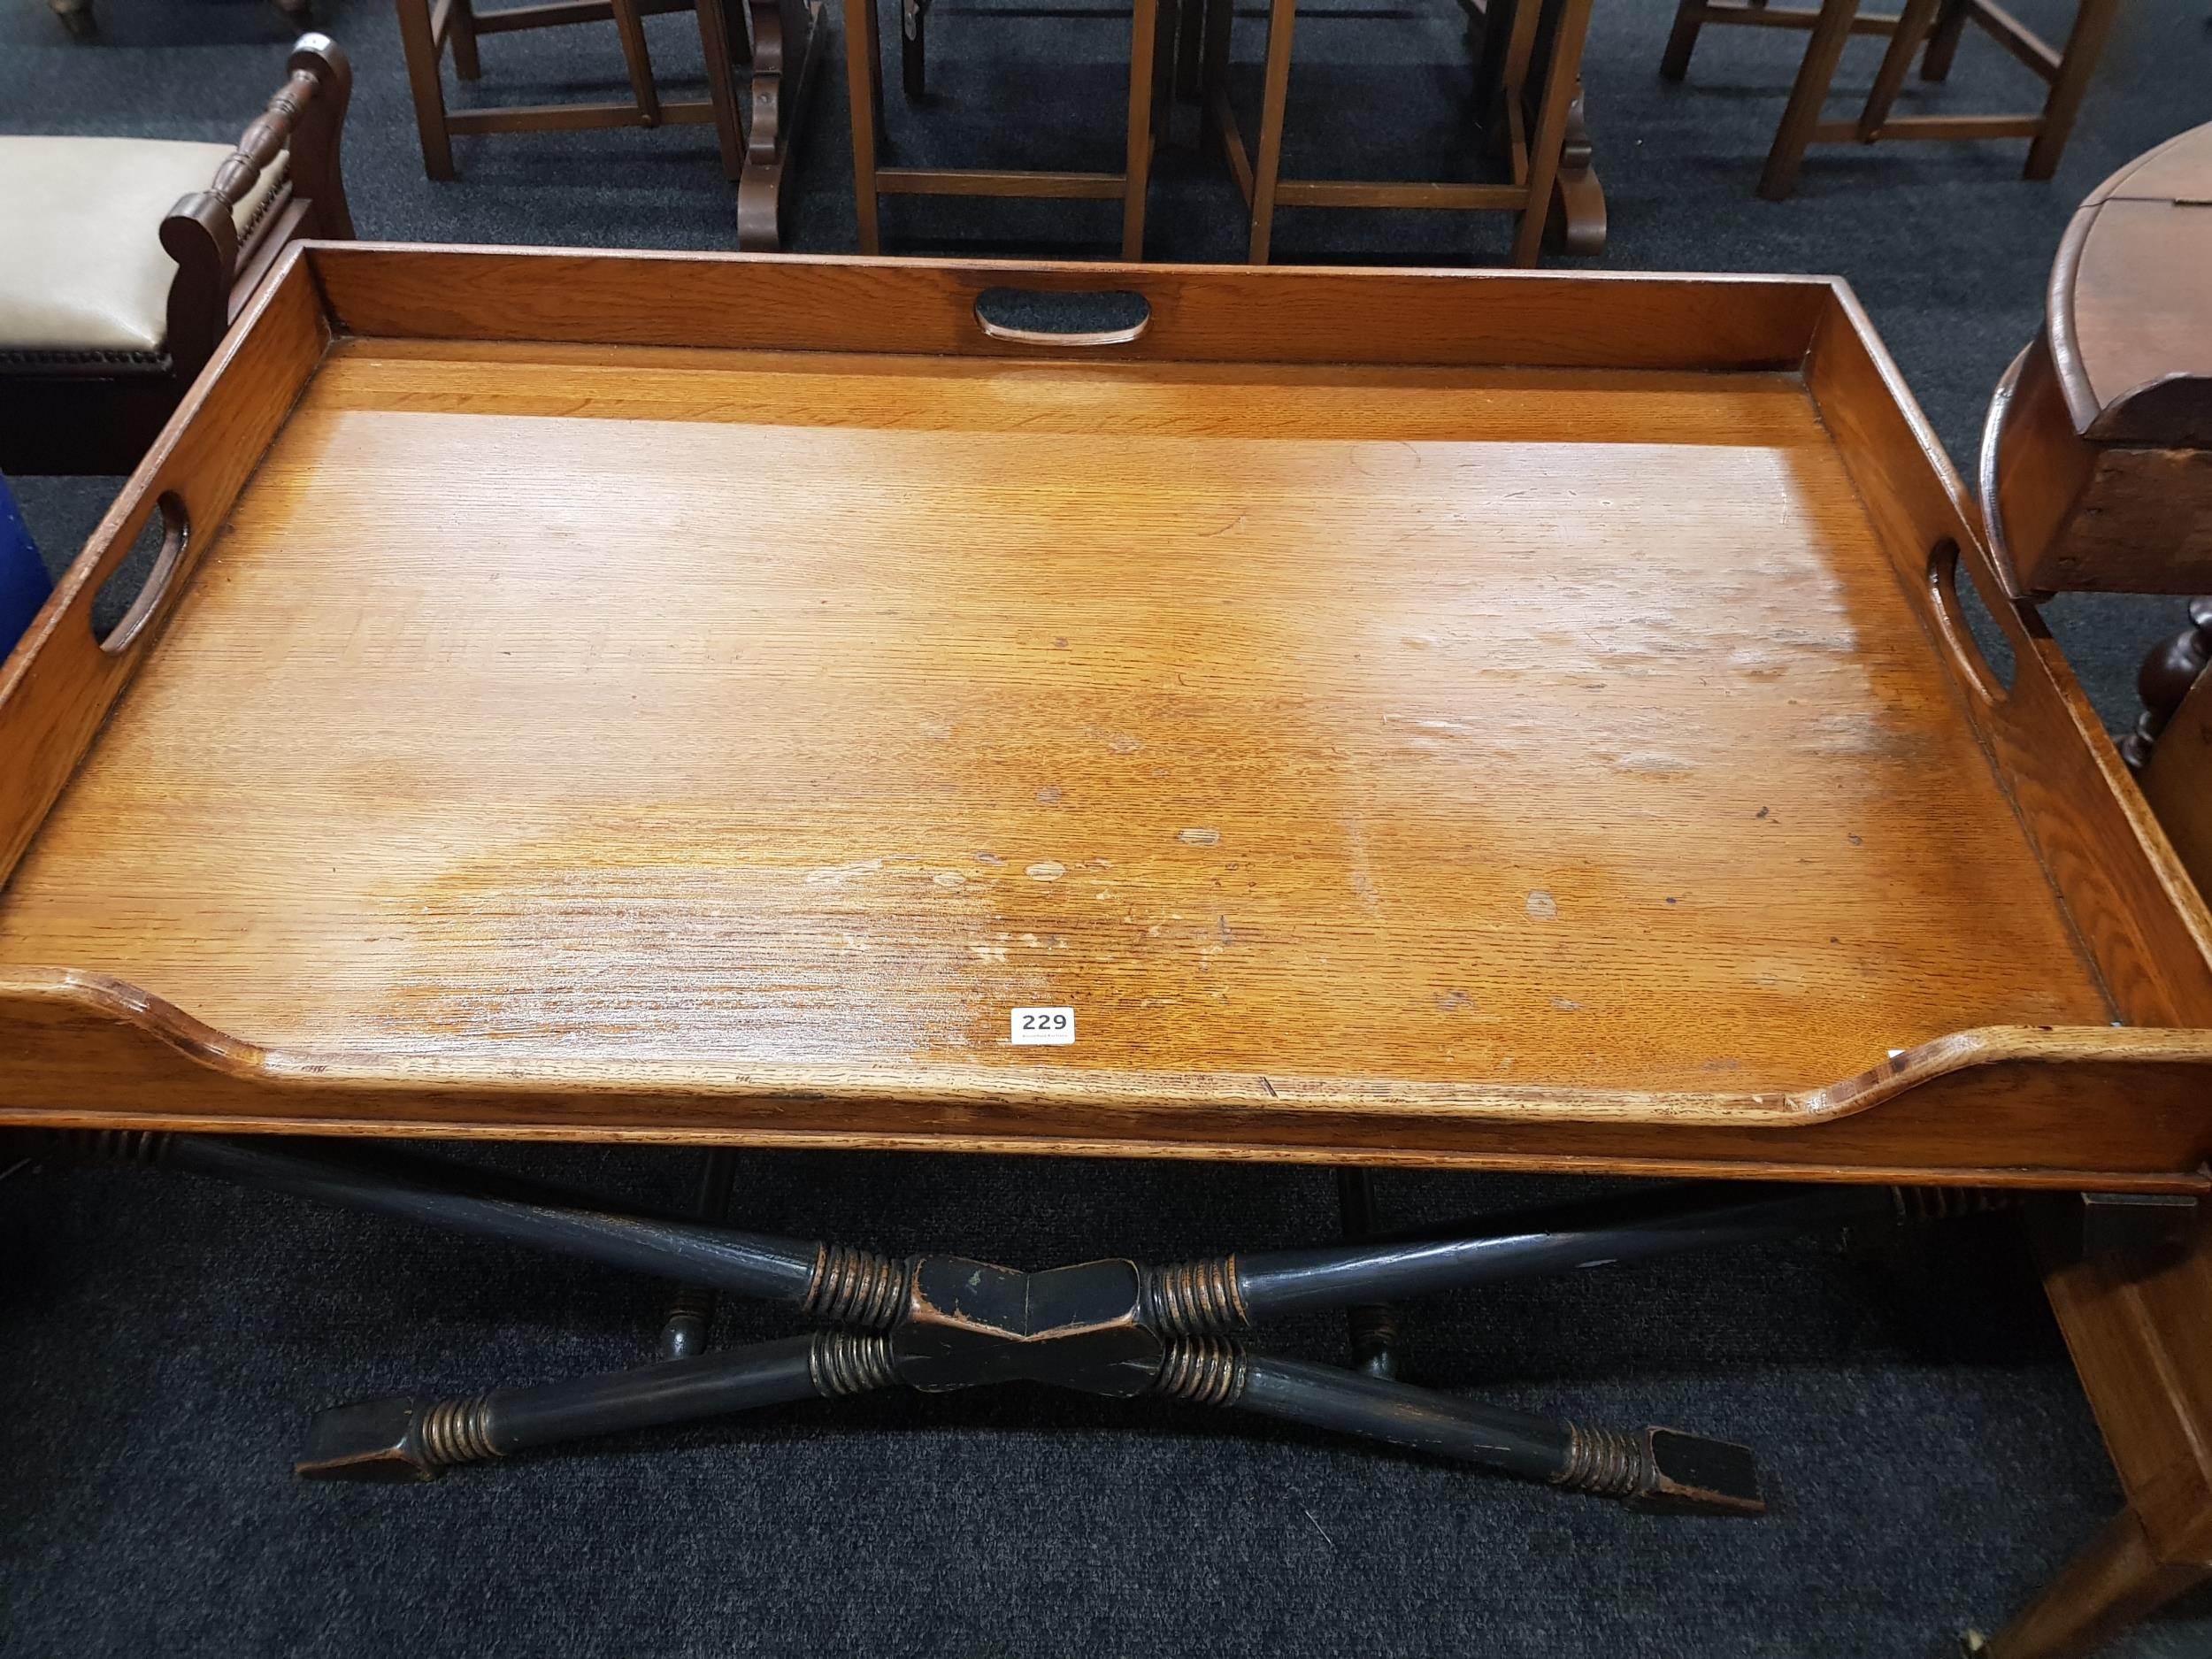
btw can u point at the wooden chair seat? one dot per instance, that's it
(82, 272)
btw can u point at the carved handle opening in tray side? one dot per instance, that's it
(61, 680)
(2141, 923)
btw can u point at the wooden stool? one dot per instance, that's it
(2097, 458)
(783, 35)
(126, 260)
(1520, 37)
(1938, 23)
(864, 74)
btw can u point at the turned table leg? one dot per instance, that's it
(2164, 679)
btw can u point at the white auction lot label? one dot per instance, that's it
(1042, 1025)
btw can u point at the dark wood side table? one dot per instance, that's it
(2095, 476)
(2099, 448)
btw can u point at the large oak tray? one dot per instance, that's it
(1452, 719)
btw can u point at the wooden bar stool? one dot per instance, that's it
(1936, 23)
(1529, 122)
(780, 37)
(863, 72)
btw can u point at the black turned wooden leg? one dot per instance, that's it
(1111, 1327)
(2164, 680)
(1634, 1226)
(432, 1190)
(1373, 1325)
(691, 1311)
(1651, 1469)
(403, 1439)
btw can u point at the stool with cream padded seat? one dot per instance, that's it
(127, 258)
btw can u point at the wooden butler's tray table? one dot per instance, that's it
(1456, 719)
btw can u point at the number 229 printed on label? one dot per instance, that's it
(1042, 1025)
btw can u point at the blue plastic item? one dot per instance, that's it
(23, 584)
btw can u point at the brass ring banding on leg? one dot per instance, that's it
(1196, 1298)
(1208, 1370)
(849, 1362)
(457, 1431)
(1605, 1462)
(856, 1287)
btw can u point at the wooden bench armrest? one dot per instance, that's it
(308, 116)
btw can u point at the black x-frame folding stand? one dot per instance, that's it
(1109, 1327)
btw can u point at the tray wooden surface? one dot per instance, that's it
(1417, 717)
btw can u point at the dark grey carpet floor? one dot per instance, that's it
(1930, 1456)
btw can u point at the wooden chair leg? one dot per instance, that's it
(914, 49)
(1144, 51)
(460, 31)
(2085, 47)
(2115, 1580)
(1213, 51)
(715, 49)
(1190, 51)
(1689, 18)
(862, 87)
(1509, 109)
(1562, 73)
(421, 50)
(1943, 45)
(1912, 27)
(638, 59)
(1267, 164)
(1821, 53)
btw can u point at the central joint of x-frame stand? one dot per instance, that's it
(1112, 1327)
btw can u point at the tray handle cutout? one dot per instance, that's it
(1975, 638)
(176, 530)
(1095, 317)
